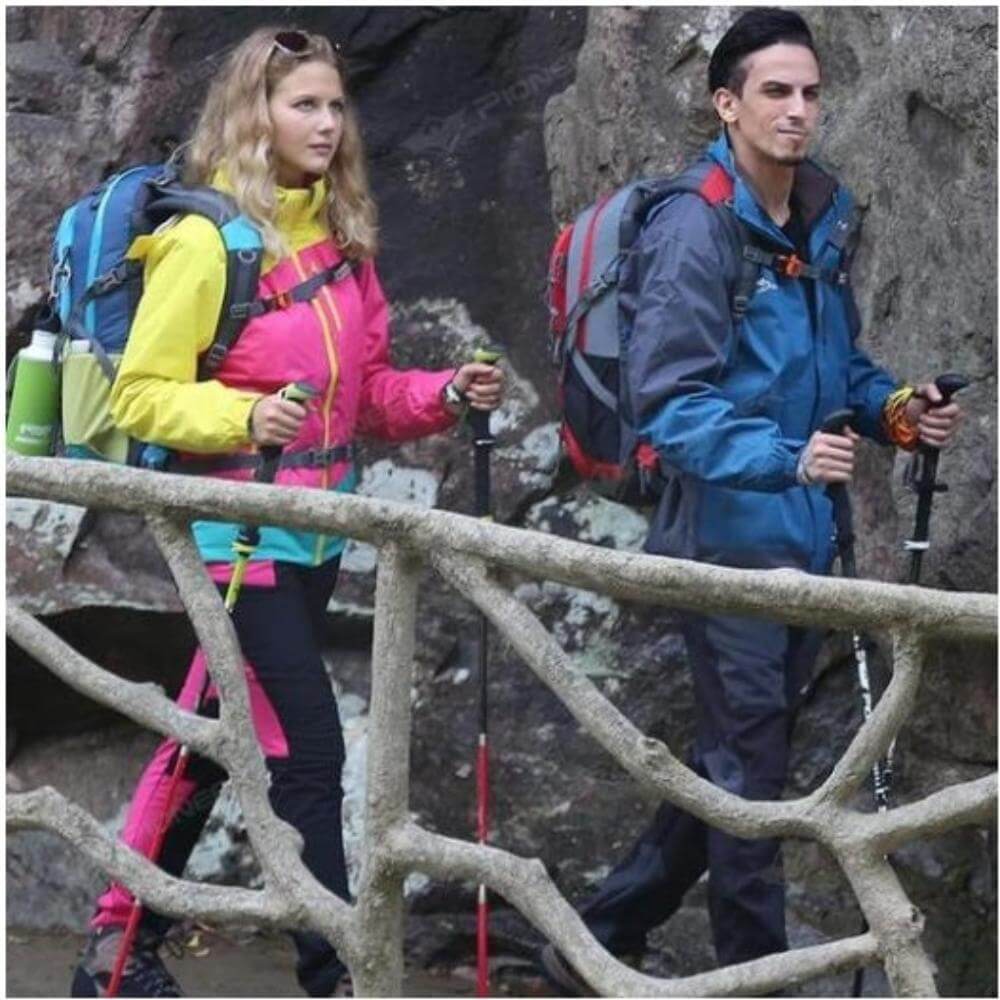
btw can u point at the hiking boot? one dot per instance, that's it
(144, 976)
(562, 975)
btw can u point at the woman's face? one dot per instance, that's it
(307, 119)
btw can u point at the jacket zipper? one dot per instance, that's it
(819, 545)
(815, 307)
(333, 358)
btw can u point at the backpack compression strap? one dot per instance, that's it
(125, 271)
(711, 183)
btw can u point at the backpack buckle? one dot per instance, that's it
(111, 279)
(214, 357)
(790, 266)
(242, 310)
(61, 274)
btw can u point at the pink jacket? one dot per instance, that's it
(338, 343)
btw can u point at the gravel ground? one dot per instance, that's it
(41, 965)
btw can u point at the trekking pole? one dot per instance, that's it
(245, 544)
(483, 442)
(844, 521)
(921, 477)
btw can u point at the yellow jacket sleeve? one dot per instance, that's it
(155, 397)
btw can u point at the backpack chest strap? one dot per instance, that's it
(792, 266)
(245, 307)
(305, 291)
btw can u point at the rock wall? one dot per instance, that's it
(485, 128)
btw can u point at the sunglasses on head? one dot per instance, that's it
(295, 43)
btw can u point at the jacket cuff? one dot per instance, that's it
(792, 459)
(243, 411)
(444, 377)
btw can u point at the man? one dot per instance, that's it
(732, 408)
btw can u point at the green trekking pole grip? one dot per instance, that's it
(487, 355)
(267, 470)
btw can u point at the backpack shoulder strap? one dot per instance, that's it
(711, 182)
(244, 253)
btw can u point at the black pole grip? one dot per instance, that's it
(924, 472)
(948, 384)
(834, 423)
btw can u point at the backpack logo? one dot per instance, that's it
(765, 284)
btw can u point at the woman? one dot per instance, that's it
(278, 134)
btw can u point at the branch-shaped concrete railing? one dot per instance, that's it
(468, 553)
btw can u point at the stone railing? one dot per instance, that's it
(468, 553)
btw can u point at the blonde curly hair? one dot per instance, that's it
(234, 133)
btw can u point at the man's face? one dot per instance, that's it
(777, 112)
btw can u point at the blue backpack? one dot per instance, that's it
(95, 290)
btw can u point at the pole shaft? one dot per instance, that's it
(926, 487)
(483, 443)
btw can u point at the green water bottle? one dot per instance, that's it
(34, 403)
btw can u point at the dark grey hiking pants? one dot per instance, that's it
(747, 678)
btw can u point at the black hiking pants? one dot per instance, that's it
(747, 678)
(280, 629)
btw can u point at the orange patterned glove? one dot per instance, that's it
(898, 428)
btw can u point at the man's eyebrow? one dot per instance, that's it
(789, 86)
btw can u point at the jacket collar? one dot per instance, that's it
(296, 206)
(813, 188)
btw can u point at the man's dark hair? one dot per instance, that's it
(756, 29)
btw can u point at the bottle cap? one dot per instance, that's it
(44, 339)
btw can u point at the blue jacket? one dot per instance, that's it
(729, 410)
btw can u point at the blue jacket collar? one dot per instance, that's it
(814, 189)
